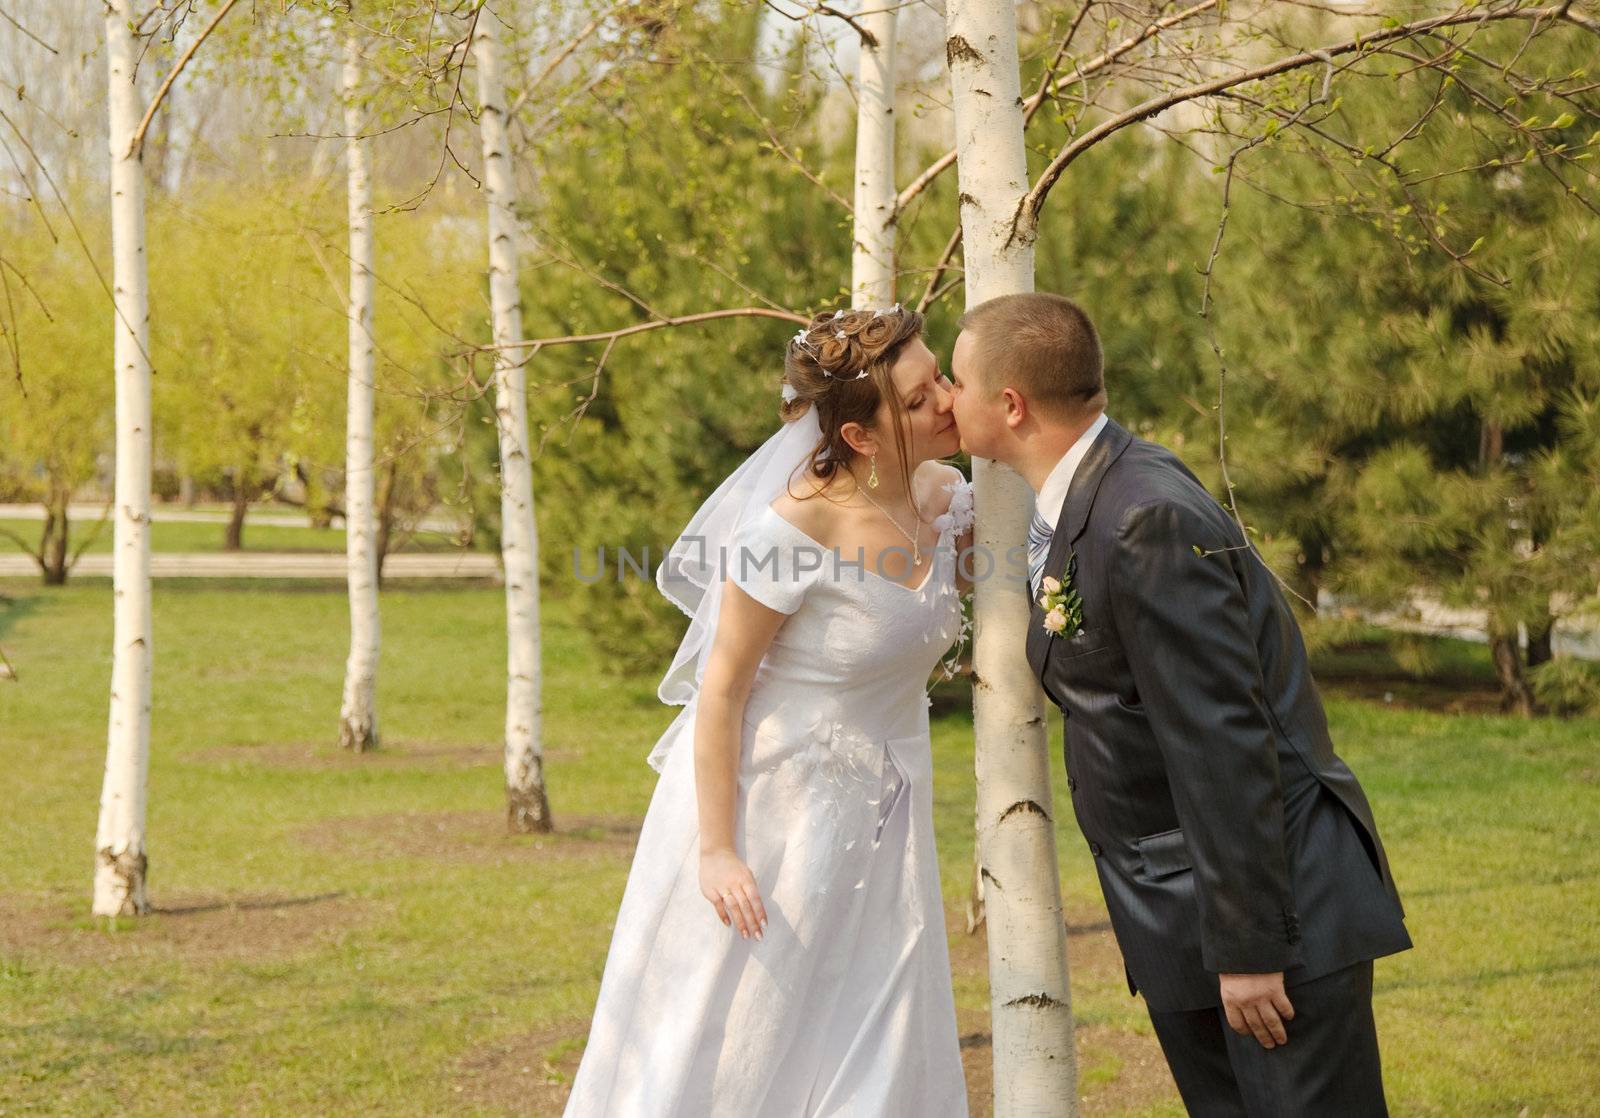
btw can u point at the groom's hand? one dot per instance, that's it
(1256, 1005)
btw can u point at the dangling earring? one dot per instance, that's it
(872, 478)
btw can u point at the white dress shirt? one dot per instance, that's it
(1059, 480)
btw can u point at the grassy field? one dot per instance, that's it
(356, 935)
(190, 536)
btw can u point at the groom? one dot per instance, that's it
(1240, 863)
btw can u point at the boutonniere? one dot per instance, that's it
(1063, 606)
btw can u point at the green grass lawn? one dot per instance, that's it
(188, 536)
(357, 935)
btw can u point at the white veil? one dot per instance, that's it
(691, 575)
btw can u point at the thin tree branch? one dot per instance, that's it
(25, 545)
(1025, 224)
(9, 18)
(1211, 329)
(928, 292)
(1031, 105)
(537, 344)
(868, 39)
(561, 56)
(772, 136)
(77, 231)
(137, 142)
(94, 534)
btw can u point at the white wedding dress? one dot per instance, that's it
(845, 1007)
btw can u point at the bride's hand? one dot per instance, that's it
(731, 888)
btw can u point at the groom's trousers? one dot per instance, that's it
(1329, 1068)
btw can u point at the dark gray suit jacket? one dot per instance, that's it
(1226, 833)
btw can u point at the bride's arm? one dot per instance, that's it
(744, 630)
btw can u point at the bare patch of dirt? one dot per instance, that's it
(191, 926)
(1118, 1070)
(320, 756)
(474, 837)
(530, 1073)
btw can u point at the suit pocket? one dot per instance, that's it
(1163, 854)
(1081, 644)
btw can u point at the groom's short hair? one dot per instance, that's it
(1044, 346)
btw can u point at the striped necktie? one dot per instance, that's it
(1039, 534)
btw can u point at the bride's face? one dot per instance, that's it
(925, 395)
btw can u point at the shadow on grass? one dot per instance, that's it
(14, 609)
(245, 906)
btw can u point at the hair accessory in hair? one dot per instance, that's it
(789, 392)
(807, 346)
(891, 310)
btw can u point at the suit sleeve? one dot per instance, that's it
(1183, 620)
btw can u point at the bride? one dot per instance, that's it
(780, 946)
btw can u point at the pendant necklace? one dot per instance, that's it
(916, 546)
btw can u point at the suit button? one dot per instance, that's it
(1094, 848)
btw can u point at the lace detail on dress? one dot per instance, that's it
(959, 515)
(955, 520)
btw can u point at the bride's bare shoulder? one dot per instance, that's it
(808, 508)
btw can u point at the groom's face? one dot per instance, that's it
(980, 412)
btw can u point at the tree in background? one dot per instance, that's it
(239, 369)
(55, 401)
(358, 708)
(1415, 414)
(699, 212)
(120, 860)
(527, 805)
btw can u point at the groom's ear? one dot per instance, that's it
(1016, 407)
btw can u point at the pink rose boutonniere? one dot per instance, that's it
(1062, 605)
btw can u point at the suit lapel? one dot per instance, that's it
(1107, 447)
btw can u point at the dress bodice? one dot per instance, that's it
(858, 647)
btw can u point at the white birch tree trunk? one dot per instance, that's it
(872, 258)
(1035, 1064)
(358, 712)
(120, 861)
(527, 807)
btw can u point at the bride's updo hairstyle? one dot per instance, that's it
(840, 365)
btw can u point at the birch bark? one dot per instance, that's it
(527, 806)
(872, 272)
(120, 861)
(1035, 1065)
(358, 717)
